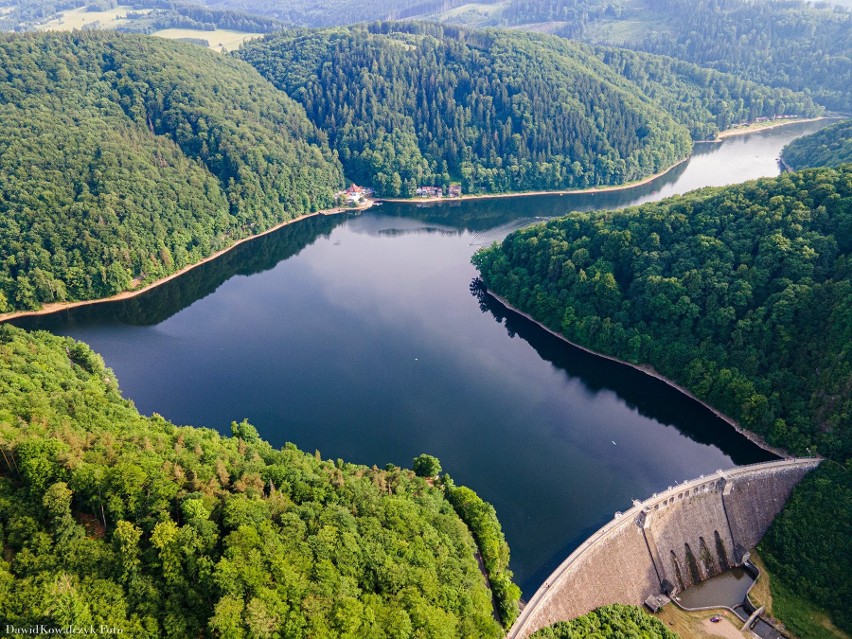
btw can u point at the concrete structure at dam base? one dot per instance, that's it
(667, 543)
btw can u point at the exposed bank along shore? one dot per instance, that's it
(498, 196)
(47, 309)
(55, 307)
(765, 126)
(647, 370)
(728, 133)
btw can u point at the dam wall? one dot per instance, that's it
(667, 543)
(756, 498)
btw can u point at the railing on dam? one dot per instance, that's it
(676, 538)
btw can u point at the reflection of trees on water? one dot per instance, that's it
(157, 305)
(651, 397)
(477, 215)
(421, 230)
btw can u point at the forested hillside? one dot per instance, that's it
(108, 517)
(407, 104)
(831, 146)
(123, 159)
(799, 45)
(705, 101)
(785, 43)
(781, 43)
(744, 296)
(807, 550)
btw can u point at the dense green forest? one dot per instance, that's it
(744, 296)
(703, 100)
(831, 146)
(495, 110)
(783, 43)
(807, 547)
(499, 110)
(109, 517)
(609, 621)
(124, 158)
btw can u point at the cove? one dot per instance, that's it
(360, 337)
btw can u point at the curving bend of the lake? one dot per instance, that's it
(359, 337)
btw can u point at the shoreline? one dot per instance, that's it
(727, 133)
(647, 370)
(496, 196)
(56, 307)
(733, 132)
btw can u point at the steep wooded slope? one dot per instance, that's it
(408, 104)
(126, 158)
(742, 294)
(108, 517)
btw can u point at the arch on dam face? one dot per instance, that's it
(645, 551)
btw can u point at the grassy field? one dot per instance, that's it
(697, 624)
(473, 14)
(218, 39)
(79, 18)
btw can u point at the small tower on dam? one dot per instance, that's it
(665, 544)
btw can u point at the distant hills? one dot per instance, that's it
(785, 43)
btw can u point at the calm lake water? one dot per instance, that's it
(359, 337)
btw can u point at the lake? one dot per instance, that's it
(359, 336)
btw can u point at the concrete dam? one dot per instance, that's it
(667, 543)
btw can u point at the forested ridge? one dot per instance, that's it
(406, 104)
(795, 44)
(409, 104)
(781, 43)
(123, 159)
(744, 296)
(108, 517)
(830, 146)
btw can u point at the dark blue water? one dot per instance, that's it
(359, 337)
